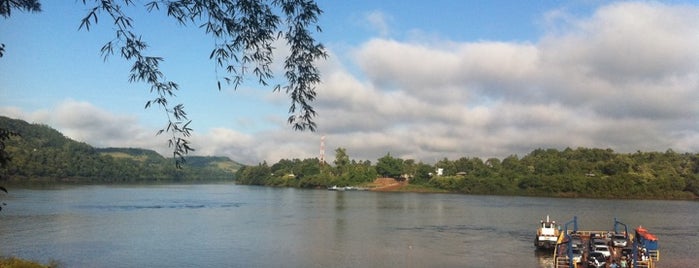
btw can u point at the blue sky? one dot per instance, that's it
(419, 79)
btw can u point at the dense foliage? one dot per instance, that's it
(42, 154)
(581, 172)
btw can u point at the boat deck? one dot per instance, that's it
(581, 240)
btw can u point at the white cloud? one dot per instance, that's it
(378, 21)
(84, 122)
(626, 78)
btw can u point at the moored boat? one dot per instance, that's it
(546, 234)
(346, 188)
(335, 188)
(577, 248)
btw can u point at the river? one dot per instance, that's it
(227, 225)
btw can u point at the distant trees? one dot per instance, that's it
(342, 161)
(309, 173)
(45, 155)
(580, 172)
(391, 167)
(350, 172)
(254, 175)
(423, 173)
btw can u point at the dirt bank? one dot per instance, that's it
(386, 185)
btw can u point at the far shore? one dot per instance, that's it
(378, 185)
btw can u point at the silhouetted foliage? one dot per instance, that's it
(243, 34)
(6, 6)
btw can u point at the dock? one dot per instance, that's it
(590, 248)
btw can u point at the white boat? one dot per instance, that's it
(335, 188)
(546, 234)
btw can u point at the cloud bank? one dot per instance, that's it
(625, 78)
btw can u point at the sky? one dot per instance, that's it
(423, 80)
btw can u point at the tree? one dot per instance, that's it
(359, 172)
(389, 166)
(423, 172)
(448, 167)
(341, 160)
(243, 31)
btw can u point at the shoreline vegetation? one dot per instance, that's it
(42, 156)
(14, 262)
(570, 173)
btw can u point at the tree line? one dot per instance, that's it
(42, 154)
(581, 172)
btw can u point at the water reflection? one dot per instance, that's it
(544, 257)
(239, 226)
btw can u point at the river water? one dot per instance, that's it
(227, 225)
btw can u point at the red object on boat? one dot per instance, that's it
(645, 234)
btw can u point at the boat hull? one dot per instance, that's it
(544, 244)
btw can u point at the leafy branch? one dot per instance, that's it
(144, 69)
(244, 32)
(6, 7)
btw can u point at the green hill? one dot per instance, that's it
(42, 154)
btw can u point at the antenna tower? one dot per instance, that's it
(321, 158)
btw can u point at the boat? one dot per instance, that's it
(641, 251)
(346, 188)
(546, 234)
(648, 243)
(335, 188)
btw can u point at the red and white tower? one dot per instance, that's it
(321, 158)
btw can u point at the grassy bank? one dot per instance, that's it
(13, 262)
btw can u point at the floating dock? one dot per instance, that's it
(583, 248)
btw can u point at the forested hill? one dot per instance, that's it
(42, 154)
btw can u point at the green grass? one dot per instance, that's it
(13, 262)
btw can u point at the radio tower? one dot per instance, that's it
(321, 159)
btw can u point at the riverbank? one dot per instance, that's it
(378, 185)
(13, 262)
(392, 185)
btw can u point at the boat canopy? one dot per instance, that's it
(649, 241)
